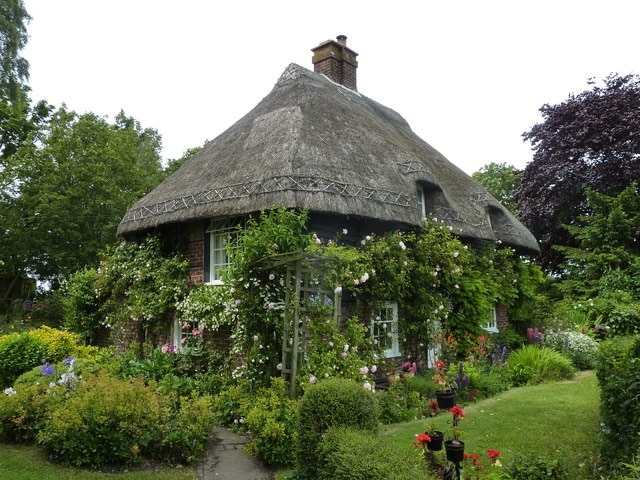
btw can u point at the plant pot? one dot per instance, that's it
(436, 441)
(454, 450)
(446, 399)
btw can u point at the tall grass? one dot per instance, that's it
(533, 364)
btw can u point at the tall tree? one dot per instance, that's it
(501, 181)
(68, 189)
(14, 70)
(590, 140)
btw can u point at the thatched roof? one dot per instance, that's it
(314, 144)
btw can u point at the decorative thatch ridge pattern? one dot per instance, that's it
(314, 144)
(268, 185)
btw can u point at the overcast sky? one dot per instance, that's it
(468, 76)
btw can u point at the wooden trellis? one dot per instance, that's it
(305, 296)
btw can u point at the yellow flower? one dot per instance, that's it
(497, 463)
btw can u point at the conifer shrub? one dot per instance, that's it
(329, 403)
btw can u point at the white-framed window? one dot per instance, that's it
(183, 333)
(422, 206)
(219, 234)
(384, 329)
(492, 322)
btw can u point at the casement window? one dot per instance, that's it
(219, 234)
(182, 332)
(492, 322)
(384, 329)
(422, 206)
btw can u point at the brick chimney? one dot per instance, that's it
(335, 60)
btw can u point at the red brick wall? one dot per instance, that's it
(502, 317)
(193, 234)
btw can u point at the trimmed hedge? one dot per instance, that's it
(332, 402)
(351, 454)
(618, 372)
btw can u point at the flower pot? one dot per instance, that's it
(446, 399)
(454, 450)
(436, 441)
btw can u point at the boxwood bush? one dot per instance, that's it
(351, 454)
(332, 402)
(19, 353)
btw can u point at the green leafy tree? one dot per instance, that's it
(67, 190)
(14, 70)
(589, 140)
(501, 181)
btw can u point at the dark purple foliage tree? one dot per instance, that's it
(590, 140)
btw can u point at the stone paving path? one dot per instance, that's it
(225, 459)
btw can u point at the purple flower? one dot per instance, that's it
(69, 360)
(47, 369)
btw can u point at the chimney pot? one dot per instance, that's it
(342, 40)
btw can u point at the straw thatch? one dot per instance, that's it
(314, 144)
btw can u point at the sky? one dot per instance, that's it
(469, 76)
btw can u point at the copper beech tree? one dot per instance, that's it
(591, 139)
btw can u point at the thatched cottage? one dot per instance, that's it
(316, 143)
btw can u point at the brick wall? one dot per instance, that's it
(502, 317)
(195, 255)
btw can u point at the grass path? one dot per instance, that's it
(551, 420)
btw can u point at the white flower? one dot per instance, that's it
(271, 305)
(346, 348)
(364, 370)
(338, 290)
(313, 379)
(364, 277)
(272, 276)
(455, 254)
(9, 391)
(402, 245)
(345, 231)
(367, 386)
(356, 282)
(374, 368)
(362, 242)
(279, 366)
(456, 286)
(331, 344)
(367, 238)
(344, 354)
(255, 338)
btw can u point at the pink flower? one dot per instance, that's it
(196, 331)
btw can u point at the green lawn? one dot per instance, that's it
(549, 420)
(18, 462)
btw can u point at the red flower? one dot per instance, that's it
(421, 439)
(493, 454)
(457, 411)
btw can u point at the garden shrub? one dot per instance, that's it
(352, 454)
(59, 344)
(618, 372)
(579, 347)
(400, 403)
(537, 468)
(182, 438)
(272, 422)
(532, 364)
(232, 405)
(105, 421)
(24, 409)
(332, 402)
(19, 353)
